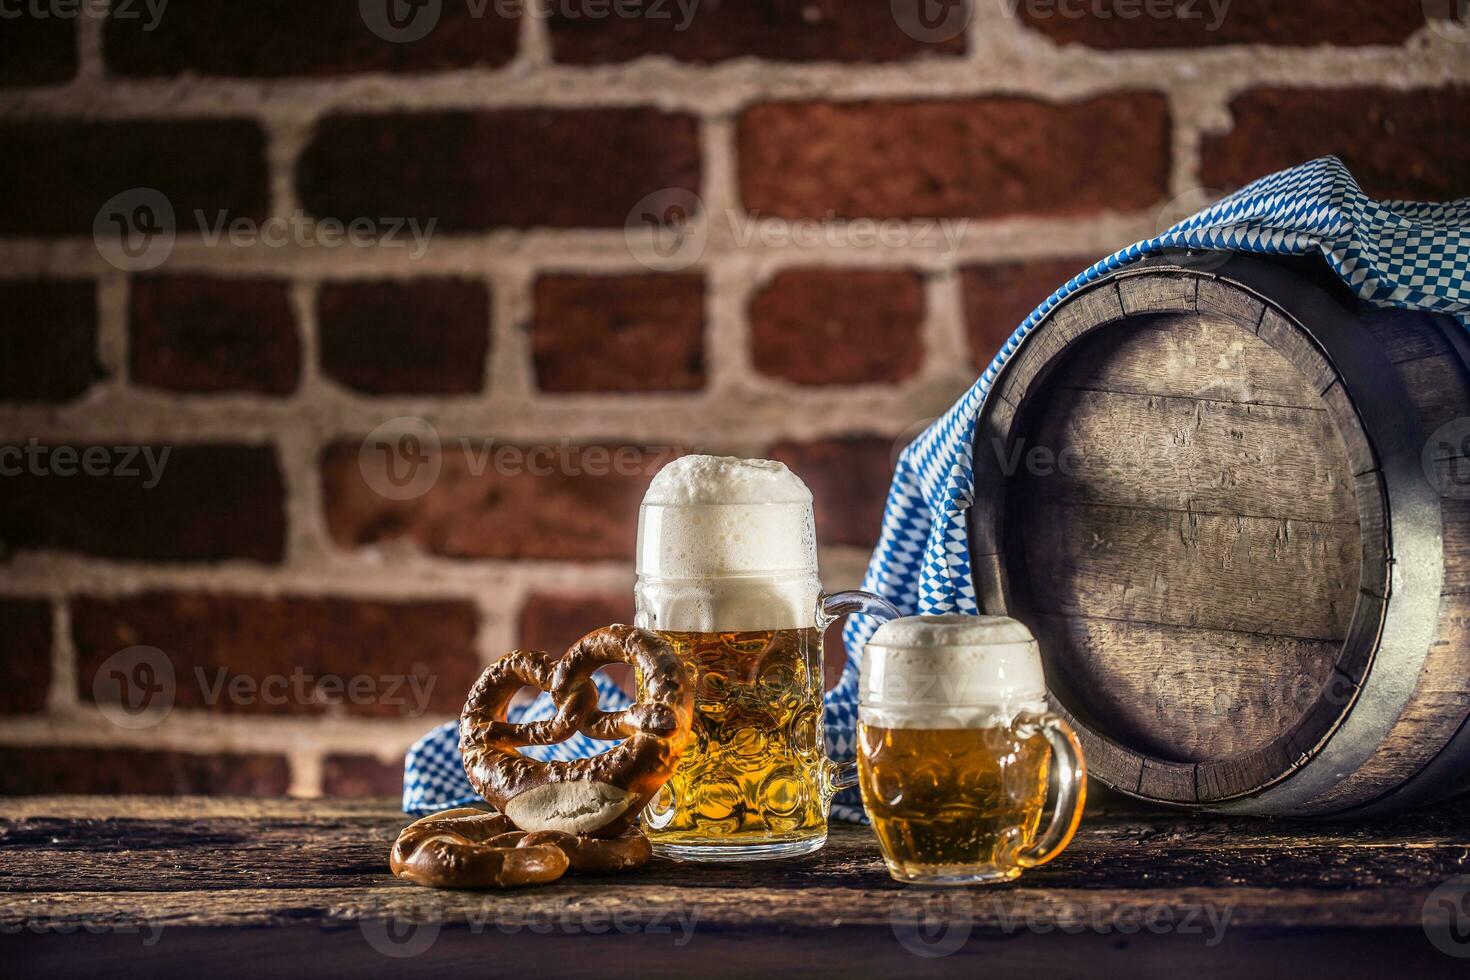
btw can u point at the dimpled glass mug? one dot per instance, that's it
(727, 573)
(955, 744)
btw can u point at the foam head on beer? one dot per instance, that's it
(726, 544)
(951, 671)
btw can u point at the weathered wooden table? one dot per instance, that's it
(211, 887)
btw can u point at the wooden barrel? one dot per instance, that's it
(1233, 504)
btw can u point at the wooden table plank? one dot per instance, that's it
(102, 876)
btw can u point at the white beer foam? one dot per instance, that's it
(951, 671)
(726, 544)
(725, 480)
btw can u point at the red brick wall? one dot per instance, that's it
(785, 228)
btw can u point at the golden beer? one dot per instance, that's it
(752, 772)
(727, 573)
(956, 802)
(957, 747)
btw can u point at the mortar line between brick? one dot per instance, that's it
(1025, 70)
(62, 695)
(369, 575)
(90, 66)
(305, 763)
(512, 251)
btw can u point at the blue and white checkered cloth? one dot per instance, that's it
(1391, 253)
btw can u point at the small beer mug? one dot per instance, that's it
(955, 747)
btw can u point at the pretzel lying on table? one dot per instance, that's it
(556, 815)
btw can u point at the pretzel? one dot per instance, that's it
(596, 853)
(457, 849)
(597, 796)
(586, 853)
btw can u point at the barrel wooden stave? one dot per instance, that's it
(1266, 531)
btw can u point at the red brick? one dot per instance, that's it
(520, 168)
(197, 334)
(48, 340)
(1409, 145)
(37, 50)
(361, 775)
(275, 38)
(554, 621)
(979, 158)
(55, 176)
(998, 297)
(1115, 24)
(849, 481)
(518, 505)
(419, 336)
(839, 326)
(210, 503)
(213, 637)
(777, 30)
(86, 769)
(619, 333)
(25, 646)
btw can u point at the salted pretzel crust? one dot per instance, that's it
(458, 849)
(598, 796)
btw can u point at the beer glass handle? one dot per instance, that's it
(830, 608)
(1071, 787)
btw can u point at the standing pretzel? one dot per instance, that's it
(598, 796)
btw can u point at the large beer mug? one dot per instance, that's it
(727, 573)
(955, 745)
